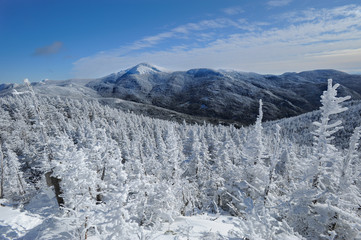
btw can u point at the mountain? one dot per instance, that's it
(72, 88)
(198, 95)
(228, 96)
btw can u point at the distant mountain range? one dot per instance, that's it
(204, 94)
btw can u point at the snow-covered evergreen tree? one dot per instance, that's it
(326, 154)
(256, 174)
(350, 166)
(13, 185)
(325, 212)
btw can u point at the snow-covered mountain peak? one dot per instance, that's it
(143, 68)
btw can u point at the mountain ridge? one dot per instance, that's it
(228, 95)
(217, 96)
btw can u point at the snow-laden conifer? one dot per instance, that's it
(255, 175)
(326, 154)
(347, 174)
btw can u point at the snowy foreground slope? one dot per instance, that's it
(76, 169)
(15, 224)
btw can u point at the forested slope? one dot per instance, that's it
(117, 174)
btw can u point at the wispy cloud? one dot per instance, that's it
(233, 10)
(184, 31)
(49, 49)
(325, 38)
(278, 3)
(344, 13)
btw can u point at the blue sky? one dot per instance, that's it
(53, 39)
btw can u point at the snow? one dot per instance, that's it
(143, 68)
(25, 224)
(197, 227)
(14, 223)
(26, 81)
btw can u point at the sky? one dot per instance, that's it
(63, 39)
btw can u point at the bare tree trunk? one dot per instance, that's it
(86, 230)
(267, 188)
(99, 197)
(53, 181)
(22, 189)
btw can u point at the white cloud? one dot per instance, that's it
(278, 3)
(344, 12)
(182, 31)
(330, 39)
(233, 10)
